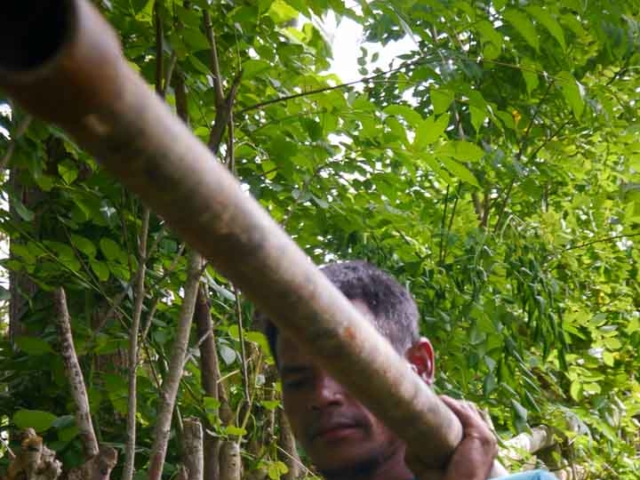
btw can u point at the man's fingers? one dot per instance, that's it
(467, 412)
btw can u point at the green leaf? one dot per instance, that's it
(36, 419)
(68, 433)
(441, 99)
(83, 244)
(144, 14)
(68, 171)
(234, 431)
(492, 40)
(429, 131)
(228, 354)
(519, 410)
(550, 23)
(608, 358)
(575, 390)
(612, 343)
(499, 4)
(252, 68)
(572, 92)
(270, 404)
(468, 152)
(592, 388)
(282, 12)
(33, 345)
(413, 118)
(100, 269)
(269, 168)
(276, 470)
(26, 214)
(210, 403)
(529, 71)
(110, 249)
(459, 171)
(478, 116)
(195, 40)
(64, 421)
(523, 26)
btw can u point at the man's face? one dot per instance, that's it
(337, 432)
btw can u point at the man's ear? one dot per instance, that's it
(423, 359)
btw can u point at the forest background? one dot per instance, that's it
(493, 168)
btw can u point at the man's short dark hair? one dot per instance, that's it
(393, 308)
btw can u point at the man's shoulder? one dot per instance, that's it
(531, 475)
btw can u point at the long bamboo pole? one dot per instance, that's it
(62, 62)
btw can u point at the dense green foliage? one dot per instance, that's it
(493, 169)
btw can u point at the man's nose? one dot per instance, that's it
(327, 393)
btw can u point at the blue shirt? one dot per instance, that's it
(532, 475)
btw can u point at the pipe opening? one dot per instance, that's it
(32, 32)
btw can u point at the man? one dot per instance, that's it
(343, 439)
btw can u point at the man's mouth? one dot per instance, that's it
(336, 431)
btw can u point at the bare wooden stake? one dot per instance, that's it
(230, 464)
(193, 449)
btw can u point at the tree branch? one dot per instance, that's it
(174, 374)
(74, 375)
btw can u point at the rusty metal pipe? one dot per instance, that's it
(62, 62)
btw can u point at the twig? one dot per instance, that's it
(592, 242)
(159, 53)
(308, 93)
(243, 352)
(223, 104)
(74, 375)
(451, 217)
(139, 295)
(173, 60)
(442, 224)
(230, 156)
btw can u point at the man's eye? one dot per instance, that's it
(295, 383)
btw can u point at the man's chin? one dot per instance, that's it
(348, 463)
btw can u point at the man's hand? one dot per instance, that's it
(473, 457)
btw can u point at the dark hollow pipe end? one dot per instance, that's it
(32, 32)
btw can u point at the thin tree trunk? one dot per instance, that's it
(74, 375)
(289, 454)
(209, 373)
(174, 374)
(139, 293)
(193, 453)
